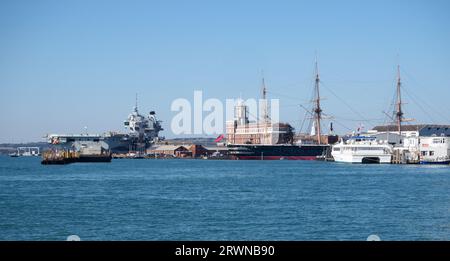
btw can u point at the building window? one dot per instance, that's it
(431, 153)
(424, 153)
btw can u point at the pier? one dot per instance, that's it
(82, 152)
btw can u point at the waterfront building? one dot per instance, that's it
(424, 143)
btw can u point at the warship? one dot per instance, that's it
(141, 132)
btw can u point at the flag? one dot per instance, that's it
(55, 140)
(218, 139)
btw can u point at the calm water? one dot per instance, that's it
(222, 200)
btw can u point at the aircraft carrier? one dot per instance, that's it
(141, 132)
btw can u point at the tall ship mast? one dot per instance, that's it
(399, 112)
(265, 114)
(317, 111)
(316, 115)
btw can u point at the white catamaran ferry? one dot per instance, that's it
(360, 149)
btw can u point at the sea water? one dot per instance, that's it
(222, 200)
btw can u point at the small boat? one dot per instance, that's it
(444, 160)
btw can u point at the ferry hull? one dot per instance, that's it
(367, 159)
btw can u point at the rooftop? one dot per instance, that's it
(423, 129)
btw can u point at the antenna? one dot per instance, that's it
(136, 103)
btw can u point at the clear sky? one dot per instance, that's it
(69, 64)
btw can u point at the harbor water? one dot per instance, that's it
(222, 200)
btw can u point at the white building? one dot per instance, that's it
(426, 143)
(263, 132)
(435, 150)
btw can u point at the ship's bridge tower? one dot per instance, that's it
(136, 123)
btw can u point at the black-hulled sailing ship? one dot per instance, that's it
(264, 140)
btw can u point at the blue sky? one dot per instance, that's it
(69, 64)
